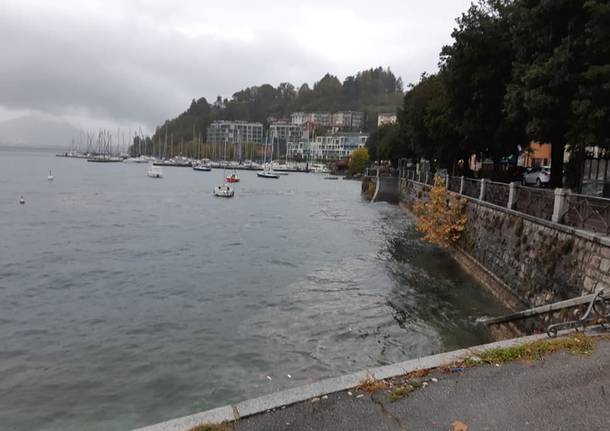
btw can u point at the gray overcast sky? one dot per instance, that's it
(138, 62)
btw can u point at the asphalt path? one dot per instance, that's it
(560, 392)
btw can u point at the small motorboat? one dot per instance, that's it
(224, 191)
(154, 172)
(21, 200)
(50, 177)
(202, 168)
(267, 174)
(331, 177)
(233, 178)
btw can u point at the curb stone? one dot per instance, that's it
(328, 386)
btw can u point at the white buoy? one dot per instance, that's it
(21, 200)
(50, 177)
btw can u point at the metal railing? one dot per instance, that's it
(587, 212)
(536, 202)
(472, 188)
(370, 172)
(455, 184)
(497, 193)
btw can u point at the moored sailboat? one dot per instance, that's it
(224, 191)
(154, 172)
(233, 178)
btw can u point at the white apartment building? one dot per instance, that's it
(348, 120)
(341, 120)
(386, 118)
(281, 131)
(321, 119)
(234, 132)
(337, 146)
(299, 150)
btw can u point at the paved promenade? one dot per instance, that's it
(560, 392)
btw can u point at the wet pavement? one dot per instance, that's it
(560, 392)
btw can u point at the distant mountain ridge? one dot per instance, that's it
(37, 131)
(370, 91)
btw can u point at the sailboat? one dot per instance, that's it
(267, 171)
(233, 178)
(224, 191)
(203, 166)
(154, 172)
(50, 177)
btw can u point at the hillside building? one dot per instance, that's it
(386, 118)
(234, 132)
(311, 119)
(348, 120)
(336, 146)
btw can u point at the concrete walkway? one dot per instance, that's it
(561, 392)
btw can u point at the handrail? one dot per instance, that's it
(543, 309)
(579, 195)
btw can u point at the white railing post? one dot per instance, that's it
(559, 205)
(427, 176)
(447, 181)
(462, 182)
(512, 195)
(419, 177)
(483, 187)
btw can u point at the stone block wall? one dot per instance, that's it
(538, 261)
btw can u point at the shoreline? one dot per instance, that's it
(286, 398)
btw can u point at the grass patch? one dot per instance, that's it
(212, 427)
(578, 344)
(370, 385)
(404, 390)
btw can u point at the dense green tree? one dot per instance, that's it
(477, 70)
(327, 94)
(384, 143)
(304, 96)
(591, 104)
(425, 127)
(549, 61)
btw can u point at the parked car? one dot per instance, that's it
(539, 176)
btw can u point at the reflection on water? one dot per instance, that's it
(127, 301)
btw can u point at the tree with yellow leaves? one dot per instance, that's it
(442, 218)
(359, 161)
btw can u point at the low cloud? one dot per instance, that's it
(138, 63)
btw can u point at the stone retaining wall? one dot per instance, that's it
(533, 261)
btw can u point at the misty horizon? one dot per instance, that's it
(134, 65)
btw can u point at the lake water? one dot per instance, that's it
(126, 300)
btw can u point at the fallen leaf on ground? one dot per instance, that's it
(459, 426)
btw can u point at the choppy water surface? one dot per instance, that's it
(127, 300)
